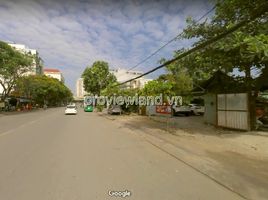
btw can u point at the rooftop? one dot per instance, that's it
(51, 70)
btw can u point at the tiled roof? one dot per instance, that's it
(51, 70)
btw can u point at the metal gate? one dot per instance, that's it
(233, 111)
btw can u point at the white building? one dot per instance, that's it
(124, 75)
(80, 91)
(37, 62)
(36, 67)
(54, 73)
(121, 76)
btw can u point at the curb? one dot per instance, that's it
(18, 112)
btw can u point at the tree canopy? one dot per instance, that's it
(157, 87)
(97, 77)
(43, 89)
(245, 49)
(13, 65)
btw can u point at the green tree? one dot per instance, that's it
(43, 89)
(116, 90)
(245, 49)
(157, 87)
(97, 77)
(13, 65)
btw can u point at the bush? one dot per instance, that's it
(99, 108)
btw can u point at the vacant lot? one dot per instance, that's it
(238, 160)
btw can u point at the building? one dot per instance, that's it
(124, 75)
(121, 76)
(37, 61)
(80, 91)
(54, 73)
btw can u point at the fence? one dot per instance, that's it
(233, 111)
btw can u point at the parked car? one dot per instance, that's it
(181, 109)
(71, 110)
(197, 109)
(88, 108)
(115, 109)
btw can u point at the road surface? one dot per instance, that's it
(46, 155)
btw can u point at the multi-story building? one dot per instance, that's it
(121, 76)
(80, 91)
(37, 61)
(124, 75)
(54, 73)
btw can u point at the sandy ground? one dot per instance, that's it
(237, 159)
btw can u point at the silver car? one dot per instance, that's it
(115, 109)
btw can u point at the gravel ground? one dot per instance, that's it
(236, 159)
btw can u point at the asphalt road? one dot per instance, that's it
(49, 156)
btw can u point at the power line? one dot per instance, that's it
(204, 44)
(170, 41)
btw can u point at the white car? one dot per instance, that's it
(197, 109)
(181, 109)
(71, 110)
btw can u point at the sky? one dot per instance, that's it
(71, 35)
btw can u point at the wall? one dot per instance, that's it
(233, 111)
(210, 115)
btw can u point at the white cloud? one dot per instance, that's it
(72, 35)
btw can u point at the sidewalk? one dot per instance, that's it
(237, 160)
(5, 113)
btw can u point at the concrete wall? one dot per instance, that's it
(210, 115)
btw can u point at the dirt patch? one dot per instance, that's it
(244, 174)
(239, 160)
(193, 132)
